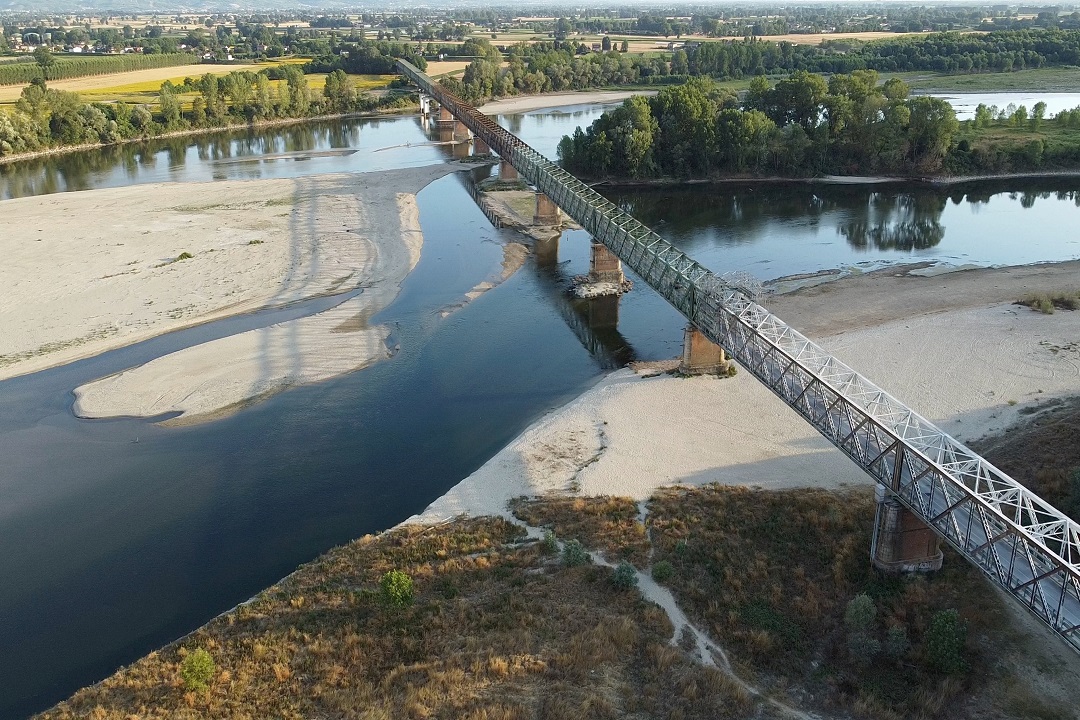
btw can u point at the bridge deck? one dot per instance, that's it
(1018, 540)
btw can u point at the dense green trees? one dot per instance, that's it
(62, 68)
(998, 51)
(801, 125)
(45, 117)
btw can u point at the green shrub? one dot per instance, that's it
(662, 571)
(860, 613)
(550, 544)
(862, 648)
(573, 554)
(184, 256)
(945, 642)
(625, 576)
(396, 589)
(197, 669)
(896, 642)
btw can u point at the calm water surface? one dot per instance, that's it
(119, 536)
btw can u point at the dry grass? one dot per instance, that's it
(608, 524)
(1047, 302)
(1042, 453)
(497, 631)
(769, 574)
(438, 68)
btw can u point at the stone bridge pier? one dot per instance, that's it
(507, 171)
(902, 542)
(701, 356)
(547, 212)
(604, 265)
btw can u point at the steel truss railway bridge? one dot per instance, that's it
(1022, 543)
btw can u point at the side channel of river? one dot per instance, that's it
(120, 536)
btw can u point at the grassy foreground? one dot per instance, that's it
(500, 627)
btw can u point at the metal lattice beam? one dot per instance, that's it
(1017, 539)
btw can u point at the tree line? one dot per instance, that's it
(63, 68)
(554, 66)
(45, 118)
(998, 51)
(801, 125)
(806, 125)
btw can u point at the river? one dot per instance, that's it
(120, 535)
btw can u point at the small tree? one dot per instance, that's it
(574, 554)
(945, 642)
(396, 589)
(625, 576)
(859, 620)
(44, 58)
(197, 669)
(662, 571)
(625, 46)
(860, 613)
(896, 642)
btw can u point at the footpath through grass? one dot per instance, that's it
(471, 620)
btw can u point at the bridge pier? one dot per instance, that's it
(902, 543)
(461, 131)
(445, 116)
(547, 212)
(427, 105)
(604, 265)
(700, 355)
(480, 147)
(507, 171)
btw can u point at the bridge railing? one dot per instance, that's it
(1020, 541)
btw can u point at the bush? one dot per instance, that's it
(184, 256)
(625, 576)
(396, 589)
(896, 642)
(573, 554)
(859, 616)
(197, 669)
(862, 648)
(945, 642)
(662, 571)
(550, 544)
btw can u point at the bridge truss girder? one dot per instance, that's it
(1021, 542)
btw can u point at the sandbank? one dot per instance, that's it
(106, 272)
(527, 103)
(971, 369)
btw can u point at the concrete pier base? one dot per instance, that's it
(479, 147)
(427, 104)
(701, 356)
(507, 171)
(547, 212)
(604, 265)
(902, 542)
(461, 131)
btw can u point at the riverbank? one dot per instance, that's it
(952, 346)
(908, 181)
(140, 261)
(193, 132)
(528, 103)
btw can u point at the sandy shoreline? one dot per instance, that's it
(528, 103)
(971, 368)
(252, 244)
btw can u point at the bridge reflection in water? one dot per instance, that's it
(1021, 542)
